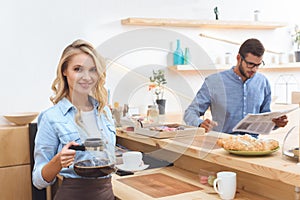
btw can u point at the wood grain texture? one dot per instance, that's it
(15, 183)
(263, 175)
(270, 166)
(14, 148)
(124, 191)
(15, 163)
(201, 23)
(246, 182)
(159, 185)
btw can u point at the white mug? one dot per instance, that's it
(132, 159)
(225, 185)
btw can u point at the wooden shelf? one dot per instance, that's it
(202, 23)
(194, 68)
(182, 67)
(295, 66)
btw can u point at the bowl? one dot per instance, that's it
(85, 168)
(21, 118)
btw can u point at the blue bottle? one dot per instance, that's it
(178, 57)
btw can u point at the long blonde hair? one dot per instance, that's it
(60, 85)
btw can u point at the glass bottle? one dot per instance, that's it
(256, 15)
(170, 60)
(178, 55)
(187, 56)
(227, 58)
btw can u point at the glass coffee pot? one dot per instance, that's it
(93, 158)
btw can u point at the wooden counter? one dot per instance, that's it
(270, 176)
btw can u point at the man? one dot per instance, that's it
(234, 93)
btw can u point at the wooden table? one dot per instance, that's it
(269, 176)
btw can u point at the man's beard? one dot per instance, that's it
(242, 71)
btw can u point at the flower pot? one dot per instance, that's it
(297, 56)
(161, 106)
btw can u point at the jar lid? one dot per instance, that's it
(152, 106)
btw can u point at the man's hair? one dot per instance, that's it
(253, 46)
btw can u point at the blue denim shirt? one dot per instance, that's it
(230, 99)
(57, 127)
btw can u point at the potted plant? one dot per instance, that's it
(296, 37)
(157, 82)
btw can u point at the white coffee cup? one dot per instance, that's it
(132, 159)
(225, 185)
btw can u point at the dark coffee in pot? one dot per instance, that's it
(87, 168)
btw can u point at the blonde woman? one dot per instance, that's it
(79, 112)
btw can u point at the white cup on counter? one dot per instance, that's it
(225, 185)
(132, 159)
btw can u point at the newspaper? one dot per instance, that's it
(260, 123)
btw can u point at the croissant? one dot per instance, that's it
(247, 143)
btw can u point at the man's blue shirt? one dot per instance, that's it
(229, 99)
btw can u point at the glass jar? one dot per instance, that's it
(152, 114)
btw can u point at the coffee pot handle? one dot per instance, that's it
(78, 147)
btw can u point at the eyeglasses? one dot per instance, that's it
(252, 65)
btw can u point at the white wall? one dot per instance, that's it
(34, 34)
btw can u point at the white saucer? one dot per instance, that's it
(122, 167)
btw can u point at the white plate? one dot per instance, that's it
(122, 167)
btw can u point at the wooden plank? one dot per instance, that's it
(15, 182)
(159, 185)
(14, 146)
(271, 166)
(271, 188)
(124, 191)
(202, 23)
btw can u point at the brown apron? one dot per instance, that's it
(77, 188)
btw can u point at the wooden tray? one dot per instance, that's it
(188, 131)
(159, 185)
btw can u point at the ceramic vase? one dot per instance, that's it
(161, 106)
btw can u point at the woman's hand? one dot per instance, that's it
(64, 158)
(67, 156)
(208, 124)
(281, 121)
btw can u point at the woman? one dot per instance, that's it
(79, 112)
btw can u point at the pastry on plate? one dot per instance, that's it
(247, 143)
